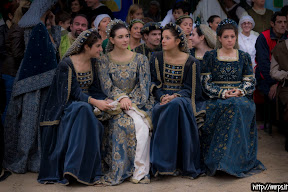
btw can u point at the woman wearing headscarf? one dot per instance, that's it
(31, 85)
(247, 39)
(100, 24)
(71, 134)
(229, 134)
(175, 145)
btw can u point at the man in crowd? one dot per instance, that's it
(151, 33)
(264, 45)
(279, 72)
(261, 15)
(78, 24)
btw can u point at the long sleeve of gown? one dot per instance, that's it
(192, 82)
(109, 89)
(64, 87)
(248, 81)
(140, 94)
(210, 88)
(156, 81)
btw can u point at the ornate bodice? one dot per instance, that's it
(85, 80)
(173, 77)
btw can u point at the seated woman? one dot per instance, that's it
(71, 134)
(229, 135)
(186, 24)
(203, 39)
(135, 33)
(175, 146)
(125, 78)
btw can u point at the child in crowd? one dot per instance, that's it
(63, 19)
(180, 8)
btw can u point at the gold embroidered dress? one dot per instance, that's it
(120, 146)
(229, 134)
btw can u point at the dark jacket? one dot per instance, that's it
(265, 43)
(15, 47)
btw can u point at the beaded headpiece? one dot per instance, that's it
(77, 44)
(222, 24)
(181, 35)
(110, 46)
(132, 22)
(150, 26)
(225, 22)
(180, 19)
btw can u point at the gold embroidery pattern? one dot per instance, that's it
(49, 123)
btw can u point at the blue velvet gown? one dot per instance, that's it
(175, 145)
(70, 132)
(229, 135)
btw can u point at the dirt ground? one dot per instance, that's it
(270, 151)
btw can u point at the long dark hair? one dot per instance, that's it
(93, 38)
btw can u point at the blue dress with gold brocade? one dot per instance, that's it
(229, 135)
(175, 145)
(123, 79)
(71, 134)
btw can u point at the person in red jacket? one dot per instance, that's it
(264, 46)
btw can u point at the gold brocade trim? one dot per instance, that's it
(171, 89)
(172, 69)
(152, 87)
(161, 97)
(120, 95)
(49, 123)
(205, 73)
(124, 62)
(226, 82)
(178, 95)
(194, 91)
(98, 112)
(230, 59)
(69, 83)
(220, 93)
(173, 79)
(248, 75)
(80, 181)
(144, 180)
(116, 111)
(165, 173)
(228, 87)
(145, 115)
(89, 98)
(174, 84)
(158, 73)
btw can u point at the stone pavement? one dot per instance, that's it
(270, 151)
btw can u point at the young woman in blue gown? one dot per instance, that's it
(175, 145)
(229, 135)
(125, 78)
(71, 134)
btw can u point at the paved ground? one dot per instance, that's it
(271, 152)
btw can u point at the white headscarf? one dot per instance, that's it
(98, 19)
(246, 18)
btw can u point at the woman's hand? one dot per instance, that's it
(167, 98)
(101, 104)
(232, 93)
(125, 103)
